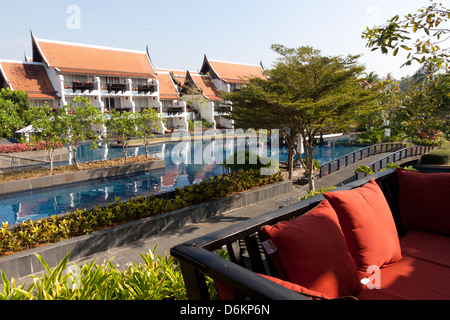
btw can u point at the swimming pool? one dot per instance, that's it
(36, 204)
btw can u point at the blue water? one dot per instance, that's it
(180, 171)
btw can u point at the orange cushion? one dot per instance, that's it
(311, 252)
(427, 246)
(424, 200)
(410, 279)
(368, 225)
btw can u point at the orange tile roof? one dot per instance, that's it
(85, 59)
(178, 76)
(167, 90)
(232, 72)
(206, 86)
(29, 77)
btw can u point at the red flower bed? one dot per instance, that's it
(22, 147)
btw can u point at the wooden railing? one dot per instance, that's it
(358, 155)
(395, 157)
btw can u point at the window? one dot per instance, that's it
(139, 82)
(111, 103)
(104, 81)
(141, 103)
(69, 79)
(40, 102)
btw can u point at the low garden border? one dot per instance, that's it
(25, 263)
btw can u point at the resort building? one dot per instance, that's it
(126, 80)
(214, 77)
(230, 76)
(172, 108)
(202, 96)
(111, 78)
(31, 78)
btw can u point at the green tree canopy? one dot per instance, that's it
(148, 122)
(82, 120)
(306, 94)
(13, 111)
(123, 126)
(50, 125)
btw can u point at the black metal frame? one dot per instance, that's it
(247, 258)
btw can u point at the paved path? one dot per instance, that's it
(128, 253)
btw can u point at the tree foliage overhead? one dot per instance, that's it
(305, 94)
(424, 35)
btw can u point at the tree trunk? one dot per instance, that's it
(51, 154)
(74, 155)
(290, 161)
(311, 168)
(146, 145)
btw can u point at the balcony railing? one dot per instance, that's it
(150, 88)
(78, 85)
(223, 110)
(116, 87)
(172, 111)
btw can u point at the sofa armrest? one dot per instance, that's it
(236, 277)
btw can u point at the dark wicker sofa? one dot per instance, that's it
(417, 265)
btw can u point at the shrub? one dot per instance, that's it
(313, 193)
(205, 124)
(32, 233)
(233, 162)
(157, 278)
(436, 156)
(424, 142)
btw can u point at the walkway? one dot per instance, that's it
(129, 253)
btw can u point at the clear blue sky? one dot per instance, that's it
(179, 33)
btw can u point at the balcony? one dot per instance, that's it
(147, 88)
(122, 109)
(222, 111)
(116, 87)
(173, 111)
(83, 86)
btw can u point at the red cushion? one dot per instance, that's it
(427, 246)
(313, 295)
(311, 252)
(424, 200)
(410, 279)
(368, 225)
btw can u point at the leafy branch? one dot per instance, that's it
(429, 24)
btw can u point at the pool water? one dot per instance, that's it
(36, 204)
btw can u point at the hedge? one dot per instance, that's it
(436, 156)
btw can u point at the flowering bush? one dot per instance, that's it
(23, 147)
